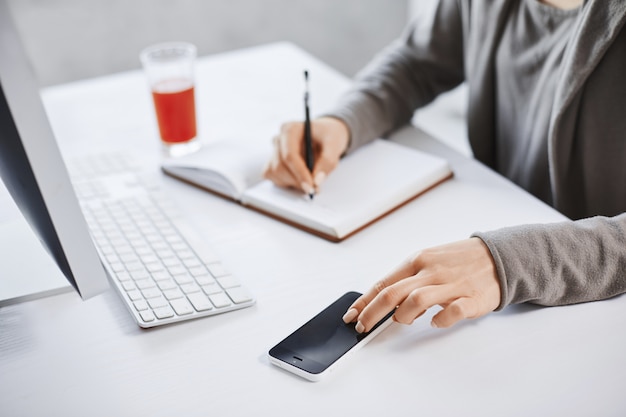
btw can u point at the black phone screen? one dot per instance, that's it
(323, 339)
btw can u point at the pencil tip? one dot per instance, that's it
(306, 74)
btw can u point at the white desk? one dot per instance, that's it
(60, 356)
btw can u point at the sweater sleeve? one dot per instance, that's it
(560, 263)
(426, 61)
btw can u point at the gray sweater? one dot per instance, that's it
(454, 41)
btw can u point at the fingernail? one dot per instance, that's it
(359, 327)
(319, 178)
(350, 315)
(307, 188)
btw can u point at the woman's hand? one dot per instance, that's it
(460, 277)
(287, 167)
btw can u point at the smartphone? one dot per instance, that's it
(316, 348)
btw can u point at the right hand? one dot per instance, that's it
(461, 277)
(287, 167)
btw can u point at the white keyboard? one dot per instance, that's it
(163, 271)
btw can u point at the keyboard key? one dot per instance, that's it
(168, 284)
(140, 274)
(134, 295)
(134, 266)
(122, 248)
(117, 267)
(151, 293)
(205, 280)
(164, 312)
(148, 258)
(198, 271)
(147, 316)
(158, 302)
(200, 301)
(144, 284)
(190, 288)
(183, 279)
(173, 239)
(112, 258)
(179, 246)
(239, 295)
(107, 249)
(192, 263)
(129, 285)
(155, 267)
(186, 254)
(173, 294)
(212, 288)
(171, 262)
(129, 257)
(144, 251)
(123, 276)
(165, 253)
(177, 270)
(140, 305)
(228, 281)
(217, 269)
(159, 246)
(119, 243)
(220, 300)
(161, 275)
(181, 306)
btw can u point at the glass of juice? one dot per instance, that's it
(169, 68)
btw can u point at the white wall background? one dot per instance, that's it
(74, 39)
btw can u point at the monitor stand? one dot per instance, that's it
(27, 271)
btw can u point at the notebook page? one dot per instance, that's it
(367, 183)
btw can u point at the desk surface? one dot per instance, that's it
(62, 356)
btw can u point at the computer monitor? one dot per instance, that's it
(33, 171)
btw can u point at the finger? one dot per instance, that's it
(457, 310)
(361, 303)
(420, 299)
(290, 151)
(404, 270)
(278, 173)
(355, 309)
(395, 296)
(364, 300)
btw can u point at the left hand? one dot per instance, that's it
(461, 277)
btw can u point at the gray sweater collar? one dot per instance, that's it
(602, 22)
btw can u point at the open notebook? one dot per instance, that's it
(368, 183)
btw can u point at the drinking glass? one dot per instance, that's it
(169, 68)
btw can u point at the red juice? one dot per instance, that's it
(176, 110)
